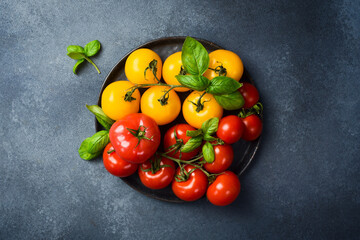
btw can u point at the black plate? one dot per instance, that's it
(243, 151)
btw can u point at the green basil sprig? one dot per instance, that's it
(93, 146)
(208, 128)
(81, 54)
(195, 60)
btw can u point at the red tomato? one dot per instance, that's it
(230, 129)
(224, 156)
(250, 94)
(115, 165)
(135, 137)
(224, 190)
(253, 127)
(161, 178)
(193, 188)
(175, 143)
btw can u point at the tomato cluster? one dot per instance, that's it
(196, 155)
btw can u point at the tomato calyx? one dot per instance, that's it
(199, 105)
(256, 109)
(182, 71)
(128, 96)
(139, 133)
(176, 147)
(155, 165)
(111, 151)
(219, 70)
(153, 68)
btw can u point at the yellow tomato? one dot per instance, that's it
(210, 109)
(113, 100)
(153, 104)
(172, 67)
(142, 60)
(226, 62)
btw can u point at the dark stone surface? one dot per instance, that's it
(304, 182)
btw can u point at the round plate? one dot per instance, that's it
(243, 151)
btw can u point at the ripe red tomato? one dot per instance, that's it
(164, 171)
(253, 127)
(224, 190)
(176, 141)
(224, 156)
(193, 188)
(115, 165)
(135, 137)
(230, 129)
(250, 94)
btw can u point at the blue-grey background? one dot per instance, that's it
(304, 57)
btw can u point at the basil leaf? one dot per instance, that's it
(77, 64)
(194, 133)
(230, 101)
(210, 126)
(75, 49)
(104, 120)
(192, 144)
(208, 152)
(198, 83)
(93, 146)
(76, 55)
(92, 48)
(223, 85)
(194, 57)
(209, 138)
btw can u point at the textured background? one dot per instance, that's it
(304, 57)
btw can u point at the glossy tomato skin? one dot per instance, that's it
(192, 189)
(136, 64)
(224, 156)
(229, 60)
(115, 165)
(171, 68)
(252, 127)
(161, 179)
(230, 129)
(224, 190)
(169, 140)
(211, 109)
(151, 106)
(113, 103)
(127, 146)
(250, 94)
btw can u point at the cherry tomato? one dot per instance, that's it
(209, 110)
(224, 63)
(224, 190)
(161, 178)
(252, 127)
(250, 94)
(224, 156)
(193, 188)
(142, 60)
(162, 108)
(135, 138)
(115, 165)
(230, 129)
(113, 100)
(172, 67)
(175, 138)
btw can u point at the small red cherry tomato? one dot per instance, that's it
(224, 190)
(193, 188)
(230, 129)
(164, 171)
(175, 138)
(250, 94)
(224, 156)
(135, 137)
(253, 127)
(115, 165)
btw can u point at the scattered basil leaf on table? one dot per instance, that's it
(79, 53)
